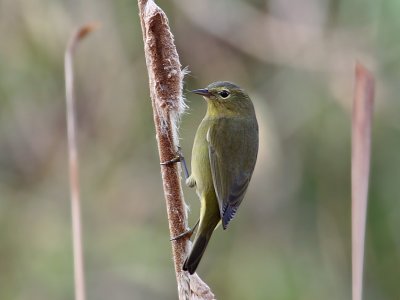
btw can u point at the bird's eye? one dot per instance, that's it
(224, 93)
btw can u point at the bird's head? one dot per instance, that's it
(226, 98)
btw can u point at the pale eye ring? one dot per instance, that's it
(224, 93)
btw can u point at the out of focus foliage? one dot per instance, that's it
(291, 238)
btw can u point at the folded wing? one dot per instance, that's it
(233, 147)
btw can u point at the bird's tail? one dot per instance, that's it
(199, 246)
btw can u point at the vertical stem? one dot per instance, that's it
(165, 82)
(79, 277)
(360, 166)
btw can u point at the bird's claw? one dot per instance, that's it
(178, 158)
(171, 161)
(188, 233)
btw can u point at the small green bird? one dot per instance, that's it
(223, 158)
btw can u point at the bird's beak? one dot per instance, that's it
(202, 92)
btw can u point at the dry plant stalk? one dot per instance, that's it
(73, 160)
(166, 81)
(360, 165)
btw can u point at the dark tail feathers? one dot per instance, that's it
(193, 260)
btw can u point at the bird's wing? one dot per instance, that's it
(233, 147)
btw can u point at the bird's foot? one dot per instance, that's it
(187, 234)
(178, 158)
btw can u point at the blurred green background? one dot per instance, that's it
(291, 238)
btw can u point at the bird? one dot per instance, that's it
(224, 155)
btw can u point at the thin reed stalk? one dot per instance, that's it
(363, 103)
(79, 276)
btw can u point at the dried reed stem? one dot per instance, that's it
(360, 165)
(166, 81)
(73, 161)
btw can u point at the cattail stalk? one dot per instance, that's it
(165, 82)
(360, 164)
(79, 277)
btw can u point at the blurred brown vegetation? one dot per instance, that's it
(291, 238)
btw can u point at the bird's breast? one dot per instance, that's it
(201, 170)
